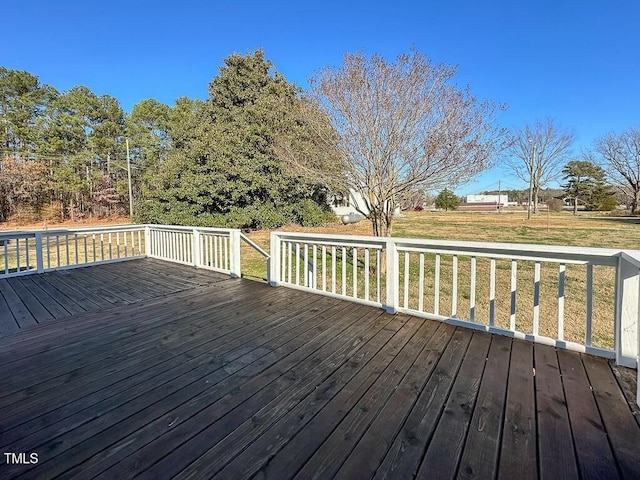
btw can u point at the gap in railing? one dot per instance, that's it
(255, 266)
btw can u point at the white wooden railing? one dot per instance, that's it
(583, 299)
(23, 253)
(211, 248)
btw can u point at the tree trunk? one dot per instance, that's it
(575, 206)
(536, 194)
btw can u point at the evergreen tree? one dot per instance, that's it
(586, 184)
(447, 200)
(225, 168)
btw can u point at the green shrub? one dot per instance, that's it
(555, 204)
(265, 216)
(310, 214)
(607, 204)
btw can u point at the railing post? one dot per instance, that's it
(147, 241)
(638, 357)
(273, 263)
(627, 312)
(392, 280)
(195, 248)
(39, 253)
(234, 246)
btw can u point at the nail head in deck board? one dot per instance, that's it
(556, 454)
(405, 454)
(593, 452)
(371, 448)
(446, 446)
(480, 455)
(623, 432)
(518, 454)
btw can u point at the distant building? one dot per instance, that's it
(485, 203)
(349, 202)
(352, 202)
(503, 200)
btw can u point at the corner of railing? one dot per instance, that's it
(147, 240)
(196, 247)
(39, 253)
(234, 245)
(627, 311)
(273, 277)
(392, 279)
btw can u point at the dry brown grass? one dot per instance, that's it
(512, 227)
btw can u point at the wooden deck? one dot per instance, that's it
(154, 370)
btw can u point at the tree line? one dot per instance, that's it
(259, 152)
(541, 152)
(212, 162)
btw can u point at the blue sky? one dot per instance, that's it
(576, 61)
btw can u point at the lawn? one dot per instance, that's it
(511, 227)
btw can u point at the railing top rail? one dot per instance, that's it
(190, 229)
(107, 229)
(605, 256)
(632, 256)
(10, 235)
(329, 238)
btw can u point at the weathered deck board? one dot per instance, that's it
(519, 457)
(37, 299)
(155, 370)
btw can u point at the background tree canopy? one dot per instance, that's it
(217, 162)
(226, 171)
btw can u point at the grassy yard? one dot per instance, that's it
(512, 227)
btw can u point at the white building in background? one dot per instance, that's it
(503, 200)
(347, 203)
(353, 202)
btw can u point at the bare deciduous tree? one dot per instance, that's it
(621, 155)
(538, 152)
(401, 126)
